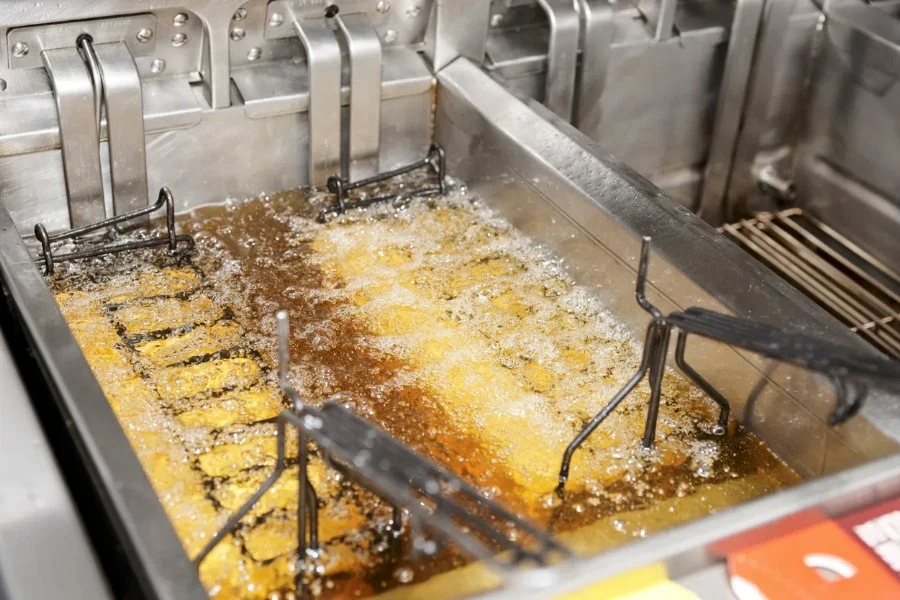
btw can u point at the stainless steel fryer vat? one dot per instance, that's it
(221, 124)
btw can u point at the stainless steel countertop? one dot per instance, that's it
(44, 552)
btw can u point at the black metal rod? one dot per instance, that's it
(436, 159)
(235, 519)
(724, 408)
(302, 458)
(657, 371)
(845, 406)
(85, 43)
(650, 342)
(171, 239)
(435, 155)
(396, 520)
(313, 514)
(641, 283)
(345, 206)
(163, 198)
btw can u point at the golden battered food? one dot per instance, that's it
(243, 407)
(146, 315)
(163, 436)
(199, 341)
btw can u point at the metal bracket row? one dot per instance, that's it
(323, 31)
(85, 79)
(584, 25)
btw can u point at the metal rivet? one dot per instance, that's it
(2, 85)
(157, 66)
(237, 34)
(20, 49)
(383, 6)
(254, 54)
(390, 36)
(144, 35)
(240, 14)
(276, 19)
(180, 19)
(413, 11)
(179, 39)
(496, 19)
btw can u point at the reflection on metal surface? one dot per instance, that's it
(364, 50)
(844, 279)
(120, 90)
(74, 94)
(323, 55)
(562, 56)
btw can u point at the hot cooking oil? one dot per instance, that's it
(448, 328)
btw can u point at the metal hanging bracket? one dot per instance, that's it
(436, 160)
(435, 500)
(323, 57)
(323, 27)
(171, 240)
(117, 86)
(86, 78)
(562, 56)
(364, 126)
(850, 369)
(73, 91)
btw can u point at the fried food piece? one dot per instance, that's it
(205, 378)
(147, 315)
(480, 396)
(200, 341)
(240, 408)
(155, 282)
(228, 460)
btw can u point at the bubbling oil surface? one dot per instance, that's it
(448, 328)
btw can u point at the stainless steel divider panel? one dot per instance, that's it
(74, 95)
(457, 29)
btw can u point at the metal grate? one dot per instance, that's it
(833, 271)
